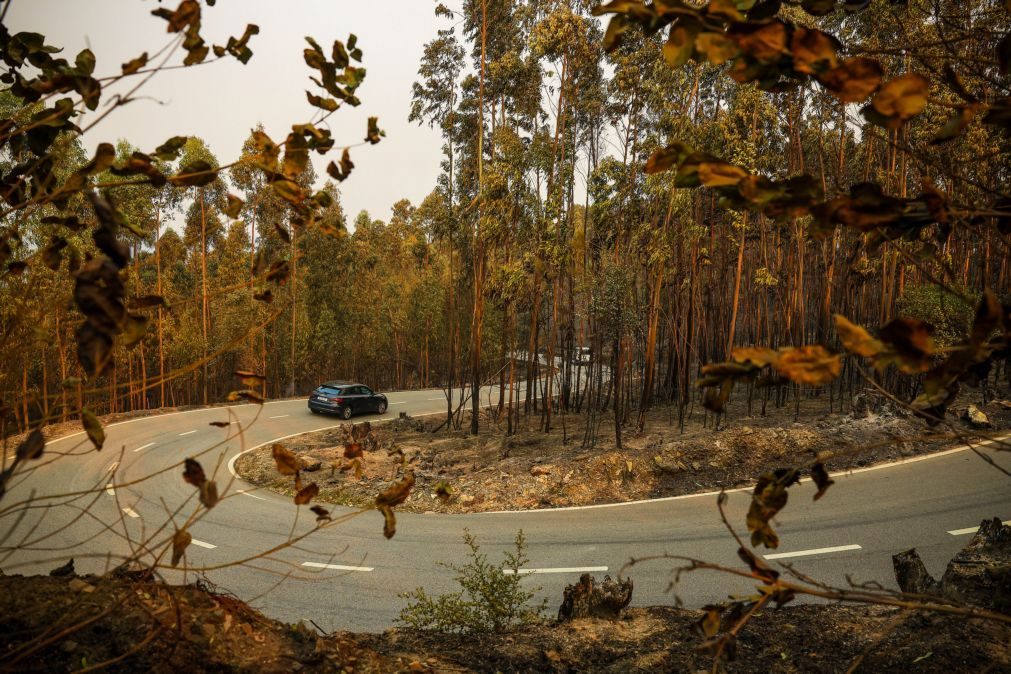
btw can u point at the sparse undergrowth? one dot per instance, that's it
(491, 598)
(532, 469)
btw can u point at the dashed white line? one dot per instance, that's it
(245, 492)
(131, 512)
(439, 398)
(557, 569)
(337, 567)
(816, 551)
(402, 402)
(110, 490)
(209, 546)
(971, 530)
(279, 416)
(187, 433)
(142, 447)
(112, 466)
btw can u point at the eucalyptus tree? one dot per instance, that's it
(203, 229)
(434, 100)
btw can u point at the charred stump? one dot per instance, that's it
(979, 575)
(586, 599)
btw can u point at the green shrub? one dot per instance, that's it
(947, 312)
(489, 599)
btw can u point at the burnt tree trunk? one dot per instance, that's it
(979, 575)
(586, 599)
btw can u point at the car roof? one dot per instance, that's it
(343, 383)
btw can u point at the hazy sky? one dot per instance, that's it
(222, 101)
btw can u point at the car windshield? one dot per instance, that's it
(329, 389)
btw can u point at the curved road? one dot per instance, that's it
(349, 577)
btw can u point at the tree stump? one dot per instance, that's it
(586, 599)
(979, 575)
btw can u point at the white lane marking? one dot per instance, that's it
(209, 546)
(279, 416)
(110, 490)
(337, 567)
(187, 433)
(142, 447)
(245, 492)
(112, 466)
(558, 569)
(839, 473)
(148, 417)
(402, 402)
(971, 530)
(131, 512)
(441, 398)
(816, 551)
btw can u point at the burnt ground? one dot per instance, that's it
(533, 469)
(127, 624)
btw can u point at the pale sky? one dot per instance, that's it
(222, 101)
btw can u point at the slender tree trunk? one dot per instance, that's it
(203, 286)
(479, 254)
(294, 307)
(737, 288)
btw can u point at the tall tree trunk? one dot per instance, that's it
(737, 288)
(294, 307)
(161, 315)
(203, 286)
(479, 254)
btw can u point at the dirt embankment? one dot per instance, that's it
(534, 469)
(125, 624)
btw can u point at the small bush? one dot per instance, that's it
(950, 316)
(489, 599)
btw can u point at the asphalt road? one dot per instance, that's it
(349, 577)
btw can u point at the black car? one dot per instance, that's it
(345, 399)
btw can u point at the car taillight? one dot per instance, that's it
(337, 400)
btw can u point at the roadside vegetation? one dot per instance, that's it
(491, 598)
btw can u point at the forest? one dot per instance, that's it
(547, 231)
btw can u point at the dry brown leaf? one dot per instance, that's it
(322, 514)
(287, 462)
(209, 493)
(758, 355)
(854, 79)
(32, 446)
(813, 365)
(397, 493)
(855, 339)
(193, 473)
(902, 98)
(389, 521)
(180, 541)
(93, 428)
(813, 51)
(307, 494)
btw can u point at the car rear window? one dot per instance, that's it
(330, 389)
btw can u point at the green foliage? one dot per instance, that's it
(948, 313)
(489, 599)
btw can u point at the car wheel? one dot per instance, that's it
(346, 412)
(314, 411)
(382, 408)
